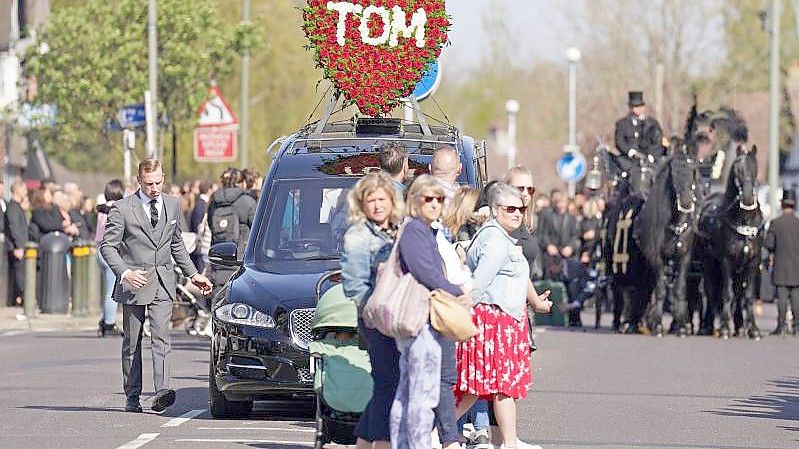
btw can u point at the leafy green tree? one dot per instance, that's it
(746, 32)
(96, 62)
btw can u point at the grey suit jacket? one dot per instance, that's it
(129, 244)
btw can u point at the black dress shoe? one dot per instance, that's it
(133, 405)
(163, 399)
(778, 331)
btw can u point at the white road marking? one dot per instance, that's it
(174, 422)
(242, 441)
(140, 441)
(282, 429)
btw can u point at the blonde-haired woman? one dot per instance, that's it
(427, 363)
(521, 179)
(459, 215)
(375, 211)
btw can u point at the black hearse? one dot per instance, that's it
(262, 316)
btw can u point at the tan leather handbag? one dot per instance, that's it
(450, 318)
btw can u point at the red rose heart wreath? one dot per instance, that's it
(375, 51)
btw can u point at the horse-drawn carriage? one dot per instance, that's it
(662, 222)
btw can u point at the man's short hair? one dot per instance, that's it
(392, 157)
(204, 186)
(149, 166)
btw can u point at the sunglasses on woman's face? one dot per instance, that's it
(530, 189)
(513, 209)
(429, 199)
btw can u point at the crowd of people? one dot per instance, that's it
(30, 214)
(477, 246)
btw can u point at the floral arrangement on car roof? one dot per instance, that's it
(362, 164)
(375, 51)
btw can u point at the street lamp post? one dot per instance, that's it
(573, 55)
(512, 107)
(151, 100)
(774, 109)
(245, 89)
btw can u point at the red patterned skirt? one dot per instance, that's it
(497, 360)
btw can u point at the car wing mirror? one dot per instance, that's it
(224, 254)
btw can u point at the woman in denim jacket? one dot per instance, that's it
(375, 210)
(496, 362)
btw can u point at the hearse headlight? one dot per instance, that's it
(239, 313)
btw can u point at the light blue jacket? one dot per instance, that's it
(365, 246)
(500, 271)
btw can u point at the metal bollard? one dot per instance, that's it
(5, 273)
(29, 301)
(80, 272)
(93, 282)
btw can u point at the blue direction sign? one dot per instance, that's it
(572, 167)
(132, 116)
(429, 83)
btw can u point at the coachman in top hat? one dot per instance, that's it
(637, 136)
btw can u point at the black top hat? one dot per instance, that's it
(636, 99)
(788, 198)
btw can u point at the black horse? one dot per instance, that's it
(629, 189)
(644, 234)
(665, 230)
(730, 234)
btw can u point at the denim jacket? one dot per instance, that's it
(365, 246)
(500, 271)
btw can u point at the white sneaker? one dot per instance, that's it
(436, 443)
(522, 445)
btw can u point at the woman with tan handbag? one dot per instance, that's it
(496, 363)
(375, 211)
(424, 394)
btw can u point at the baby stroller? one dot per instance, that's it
(342, 372)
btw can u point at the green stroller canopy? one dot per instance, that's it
(335, 310)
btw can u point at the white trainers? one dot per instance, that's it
(522, 445)
(436, 443)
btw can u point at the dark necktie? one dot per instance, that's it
(153, 213)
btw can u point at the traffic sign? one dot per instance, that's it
(430, 81)
(216, 111)
(572, 166)
(132, 116)
(215, 143)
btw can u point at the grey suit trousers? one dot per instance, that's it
(160, 313)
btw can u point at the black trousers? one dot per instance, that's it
(16, 279)
(787, 295)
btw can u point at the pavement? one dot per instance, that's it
(591, 389)
(14, 321)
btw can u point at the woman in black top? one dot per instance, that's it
(45, 216)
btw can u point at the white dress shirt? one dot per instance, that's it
(145, 202)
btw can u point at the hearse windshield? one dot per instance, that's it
(306, 220)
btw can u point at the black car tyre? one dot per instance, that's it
(221, 407)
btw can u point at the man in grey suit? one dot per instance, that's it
(782, 241)
(142, 237)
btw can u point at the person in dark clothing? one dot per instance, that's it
(197, 216)
(782, 241)
(230, 215)
(16, 230)
(45, 216)
(637, 136)
(559, 237)
(560, 242)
